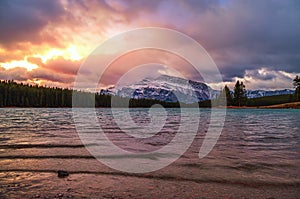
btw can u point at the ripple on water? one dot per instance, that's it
(256, 147)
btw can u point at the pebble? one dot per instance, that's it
(62, 174)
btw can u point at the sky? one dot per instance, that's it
(45, 42)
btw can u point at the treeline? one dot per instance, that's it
(236, 98)
(14, 94)
(270, 100)
(239, 98)
(228, 98)
(296, 84)
(25, 95)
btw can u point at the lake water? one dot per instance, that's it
(257, 156)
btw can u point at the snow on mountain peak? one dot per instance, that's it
(173, 89)
(165, 88)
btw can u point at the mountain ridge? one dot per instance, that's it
(173, 89)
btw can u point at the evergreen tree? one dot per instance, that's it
(296, 83)
(239, 96)
(225, 97)
(228, 95)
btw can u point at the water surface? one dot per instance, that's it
(257, 155)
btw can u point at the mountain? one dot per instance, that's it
(173, 89)
(264, 93)
(165, 88)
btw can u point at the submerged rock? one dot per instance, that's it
(62, 174)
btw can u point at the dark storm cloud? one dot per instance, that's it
(21, 74)
(251, 34)
(242, 36)
(239, 34)
(45, 74)
(23, 20)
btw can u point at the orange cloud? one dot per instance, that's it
(58, 35)
(134, 59)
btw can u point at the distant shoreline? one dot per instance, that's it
(292, 105)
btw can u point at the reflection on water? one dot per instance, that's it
(258, 149)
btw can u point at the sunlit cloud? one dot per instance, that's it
(240, 36)
(21, 63)
(70, 53)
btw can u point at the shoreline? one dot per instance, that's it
(292, 105)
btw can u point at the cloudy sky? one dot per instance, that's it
(45, 42)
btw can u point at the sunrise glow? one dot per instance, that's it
(57, 36)
(71, 53)
(19, 64)
(149, 99)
